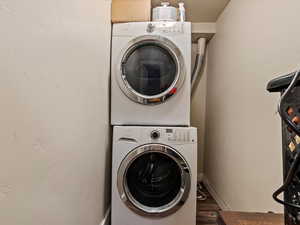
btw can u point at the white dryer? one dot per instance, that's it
(151, 73)
(154, 175)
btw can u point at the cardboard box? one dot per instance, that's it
(130, 11)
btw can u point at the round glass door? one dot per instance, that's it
(151, 70)
(154, 179)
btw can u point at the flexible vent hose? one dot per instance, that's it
(199, 62)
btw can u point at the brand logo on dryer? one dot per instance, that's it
(150, 28)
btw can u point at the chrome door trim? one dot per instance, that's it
(172, 49)
(141, 209)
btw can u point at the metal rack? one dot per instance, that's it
(289, 110)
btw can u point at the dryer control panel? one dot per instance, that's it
(137, 29)
(165, 27)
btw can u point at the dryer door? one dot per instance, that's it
(151, 70)
(154, 179)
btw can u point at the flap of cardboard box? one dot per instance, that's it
(130, 11)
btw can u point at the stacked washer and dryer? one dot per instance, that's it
(154, 161)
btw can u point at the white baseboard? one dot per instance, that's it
(223, 205)
(106, 220)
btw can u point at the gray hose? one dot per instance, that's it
(199, 62)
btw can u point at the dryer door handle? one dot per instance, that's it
(123, 68)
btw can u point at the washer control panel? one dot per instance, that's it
(173, 135)
(178, 135)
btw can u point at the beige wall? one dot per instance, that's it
(54, 130)
(255, 41)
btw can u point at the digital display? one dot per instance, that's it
(169, 131)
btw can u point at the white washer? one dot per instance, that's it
(154, 175)
(151, 73)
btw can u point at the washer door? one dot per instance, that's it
(151, 70)
(154, 179)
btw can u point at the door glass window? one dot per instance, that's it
(150, 69)
(154, 179)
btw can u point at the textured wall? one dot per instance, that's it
(54, 129)
(256, 41)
